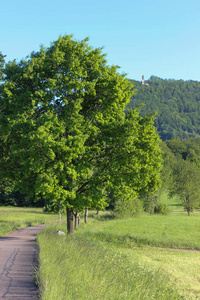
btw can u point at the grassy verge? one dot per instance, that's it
(12, 218)
(117, 259)
(79, 268)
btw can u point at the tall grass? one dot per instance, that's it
(12, 218)
(78, 268)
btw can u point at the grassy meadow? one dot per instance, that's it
(172, 203)
(145, 257)
(12, 218)
(135, 258)
(80, 268)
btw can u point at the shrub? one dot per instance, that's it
(125, 209)
(161, 208)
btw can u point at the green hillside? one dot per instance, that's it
(176, 102)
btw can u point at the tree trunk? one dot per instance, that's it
(97, 212)
(59, 214)
(86, 214)
(77, 220)
(70, 223)
(188, 206)
(152, 205)
(188, 210)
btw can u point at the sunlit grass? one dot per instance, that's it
(172, 203)
(115, 259)
(12, 218)
(105, 252)
(78, 268)
(182, 267)
(174, 231)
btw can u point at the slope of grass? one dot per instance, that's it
(12, 218)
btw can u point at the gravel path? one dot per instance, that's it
(18, 259)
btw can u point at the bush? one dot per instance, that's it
(161, 208)
(129, 208)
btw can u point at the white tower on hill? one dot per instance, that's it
(143, 81)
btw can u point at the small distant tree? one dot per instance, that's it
(186, 184)
(149, 202)
(126, 204)
(169, 160)
(127, 208)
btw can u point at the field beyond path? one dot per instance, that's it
(18, 258)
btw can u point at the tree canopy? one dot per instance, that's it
(63, 132)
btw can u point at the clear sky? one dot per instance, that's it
(158, 37)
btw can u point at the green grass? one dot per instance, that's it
(123, 259)
(173, 231)
(12, 218)
(172, 203)
(181, 267)
(115, 259)
(79, 268)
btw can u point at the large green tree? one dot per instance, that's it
(64, 135)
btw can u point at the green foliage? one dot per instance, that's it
(149, 202)
(2, 63)
(186, 177)
(129, 208)
(187, 149)
(64, 136)
(176, 103)
(181, 170)
(169, 160)
(173, 203)
(9, 196)
(161, 208)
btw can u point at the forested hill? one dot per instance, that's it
(176, 102)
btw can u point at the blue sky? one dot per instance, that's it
(157, 37)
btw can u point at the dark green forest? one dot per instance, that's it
(176, 102)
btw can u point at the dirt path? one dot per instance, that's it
(18, 258)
